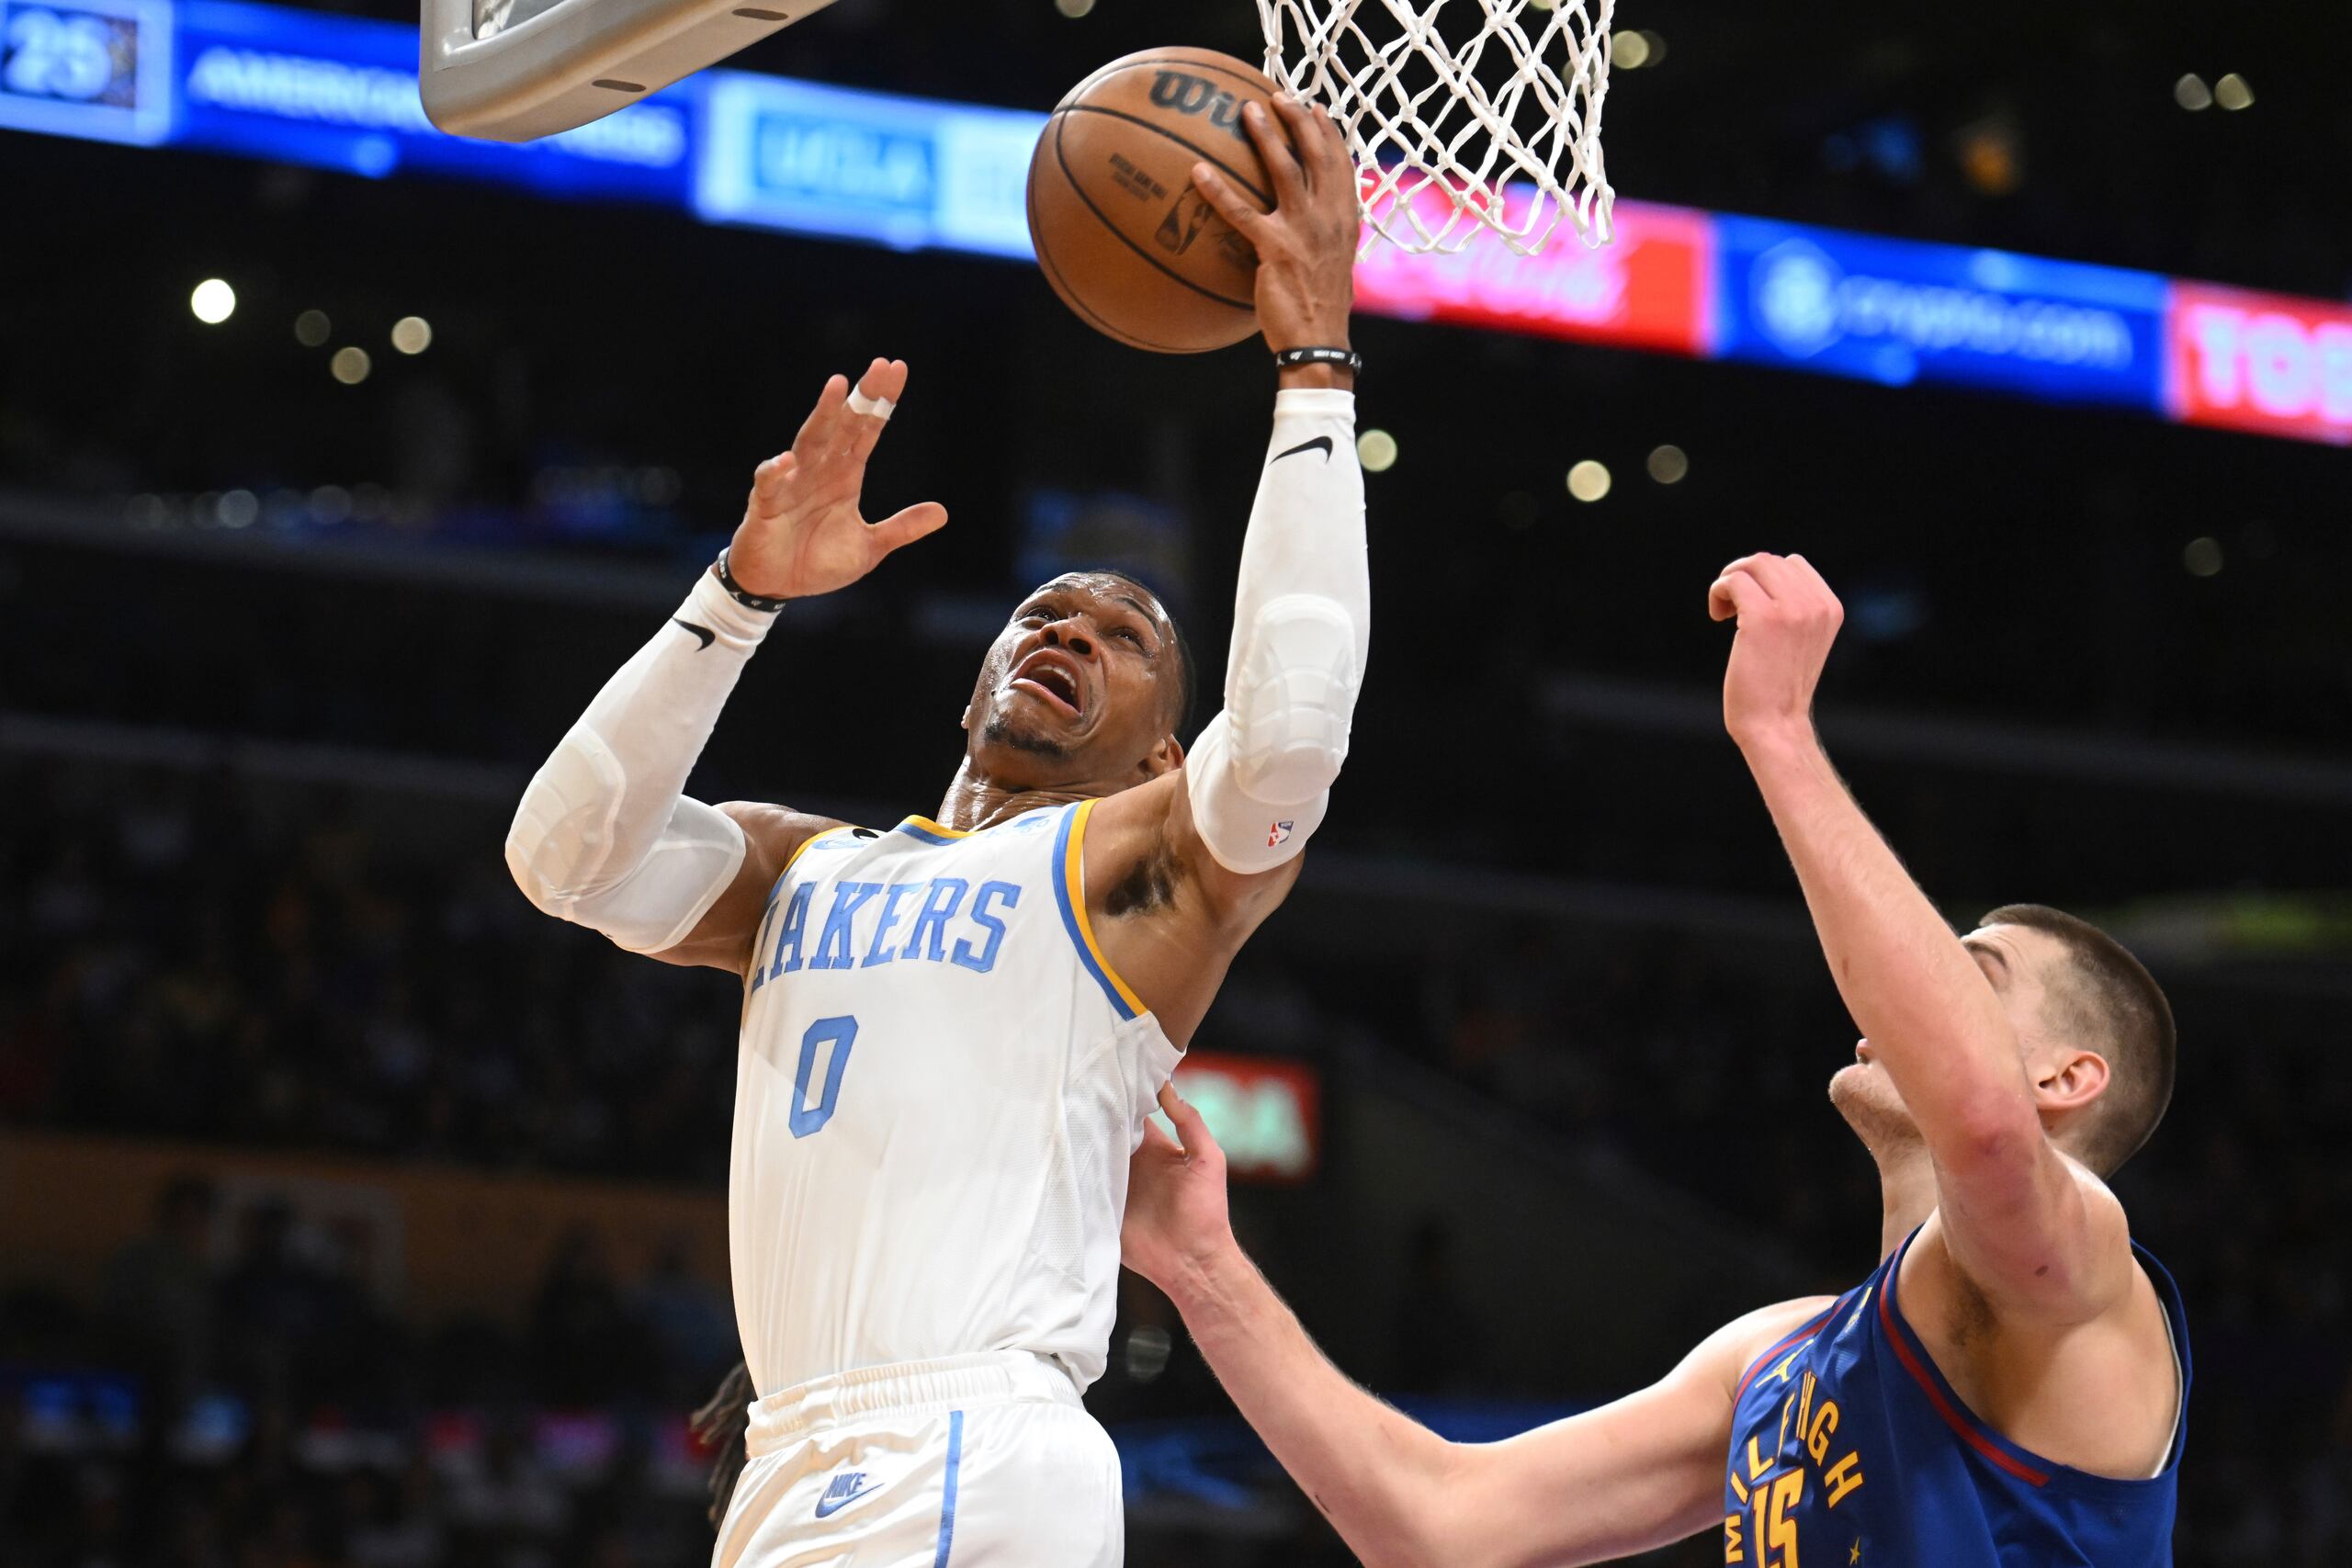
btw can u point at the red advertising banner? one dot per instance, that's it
(1265, 1113)
(1652, 289)
(2264, 362)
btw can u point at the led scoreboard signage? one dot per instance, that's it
(98, 69)
(733, 147)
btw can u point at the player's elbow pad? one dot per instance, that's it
(1260, 776)
(563, 851)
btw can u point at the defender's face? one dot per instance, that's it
(1081, 685)
(2014, 961)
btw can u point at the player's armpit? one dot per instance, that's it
(1628, 1477)
(1169, 917)
(772, 835)
(2041, 1238)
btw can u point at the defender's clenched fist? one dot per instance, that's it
(1788, 617)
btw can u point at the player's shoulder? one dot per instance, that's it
(774, 833)
(1725, 1354)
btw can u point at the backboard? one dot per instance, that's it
(518, 70)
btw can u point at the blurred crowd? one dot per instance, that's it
(175, 967)
(196, 956)
(233, 1397)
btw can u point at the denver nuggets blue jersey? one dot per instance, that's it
(1849, 1446)
(940, 1081)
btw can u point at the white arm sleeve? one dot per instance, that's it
(605, 836)
(1259, 775)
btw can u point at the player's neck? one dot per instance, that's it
(1906, 1189)
(975, 801)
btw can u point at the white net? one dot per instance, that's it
(1455, 108)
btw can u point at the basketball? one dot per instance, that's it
(1122, 234)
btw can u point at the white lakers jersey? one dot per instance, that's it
(939, 1086)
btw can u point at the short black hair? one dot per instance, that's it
(2115, 1007)
(1187, 676)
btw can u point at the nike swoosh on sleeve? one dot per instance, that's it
(706, 636)
(1322, 443)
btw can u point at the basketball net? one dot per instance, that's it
(1455, 108)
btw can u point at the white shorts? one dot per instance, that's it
(975, 1461)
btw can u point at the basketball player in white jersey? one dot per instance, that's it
(953, 1028)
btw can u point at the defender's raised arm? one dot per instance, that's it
(606, 836)
(2023, 1222)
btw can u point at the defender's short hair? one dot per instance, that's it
(2114, 1007)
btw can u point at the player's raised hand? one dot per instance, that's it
(803, 531)
(1176, 1215)
(1787, 619)
(1306, 246)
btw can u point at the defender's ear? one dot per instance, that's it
(965, 723)
(2072, 1082)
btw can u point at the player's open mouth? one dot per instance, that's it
(1053, 676)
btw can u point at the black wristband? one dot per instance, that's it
(741, 594)
(1347, 359)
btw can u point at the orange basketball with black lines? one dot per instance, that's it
(1121, 234)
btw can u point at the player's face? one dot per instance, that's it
(2015, 961)
(1080, 687)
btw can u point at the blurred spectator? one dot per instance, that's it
(506, 1510)
(691, 1328)
(157, 1297)
(586, 1343)
(1440, 1348)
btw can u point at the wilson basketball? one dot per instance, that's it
(1121, 232)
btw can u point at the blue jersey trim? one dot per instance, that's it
(947, 1506)
(1067, 888)
(925, 834)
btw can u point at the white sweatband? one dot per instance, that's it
(1260, 776)
(605, 836)
(876, 408)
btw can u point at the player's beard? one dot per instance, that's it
(1001, 731)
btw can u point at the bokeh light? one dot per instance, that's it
(213, 302)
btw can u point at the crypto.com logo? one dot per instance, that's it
(1794, 289)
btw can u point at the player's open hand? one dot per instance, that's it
(1176, 1215)
(1306, 246)
(1787, 619)
(803, 532)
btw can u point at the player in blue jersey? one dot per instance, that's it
(2005, 1388)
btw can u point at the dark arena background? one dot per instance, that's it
(354, 1215)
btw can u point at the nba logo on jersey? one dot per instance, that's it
(1277, 833)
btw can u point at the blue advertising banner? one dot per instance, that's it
(340, 93)
(910, 172)
(1898, 311)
